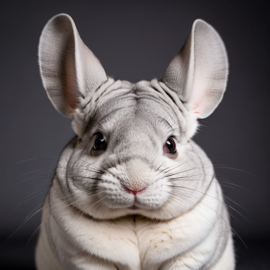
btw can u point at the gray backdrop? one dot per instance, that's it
(134, 40)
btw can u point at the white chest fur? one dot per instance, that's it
(132, 243)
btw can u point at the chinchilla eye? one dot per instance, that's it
(100, 143)
(170, 146)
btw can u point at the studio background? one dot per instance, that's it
(135, 40)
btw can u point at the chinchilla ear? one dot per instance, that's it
(69, 70)
(198, 73)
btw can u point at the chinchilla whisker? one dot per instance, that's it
(187, 197)
(80, 211)
(36, 231)
(176, 173)
(167, 170)
(230, 186)
(223, 220)
(189, 178)
(32, 235)
(32, 178)
(37, 211)
(191, 189)
(31, 215)
(233, 230)
(188, 169)
(186, 179)
(157, 169)
(233, 208)
(24, 223)
(184, 171)
(237, 220)
(92, 195)
(31, 197)
(92, 169)
(236, 169)
(98, 200)
(85, 177)
(31, 212)
(101, 205)
(96, 193)
(31, 159)
(29, 173)
(223, 180)
(203, 193)
(40, 189)
(200, 211)
(181, 177)
(232, 201)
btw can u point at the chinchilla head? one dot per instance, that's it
(133, 154)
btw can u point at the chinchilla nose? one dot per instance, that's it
(134, 191)
(137, 175)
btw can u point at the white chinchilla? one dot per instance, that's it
(132, 191)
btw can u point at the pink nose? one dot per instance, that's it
(135, 191)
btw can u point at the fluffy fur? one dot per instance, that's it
(175, 217)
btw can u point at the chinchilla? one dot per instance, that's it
(132, 191)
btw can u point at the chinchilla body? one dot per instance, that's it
(132, 191)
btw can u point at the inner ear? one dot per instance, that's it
(69, 81)
(198, 73)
